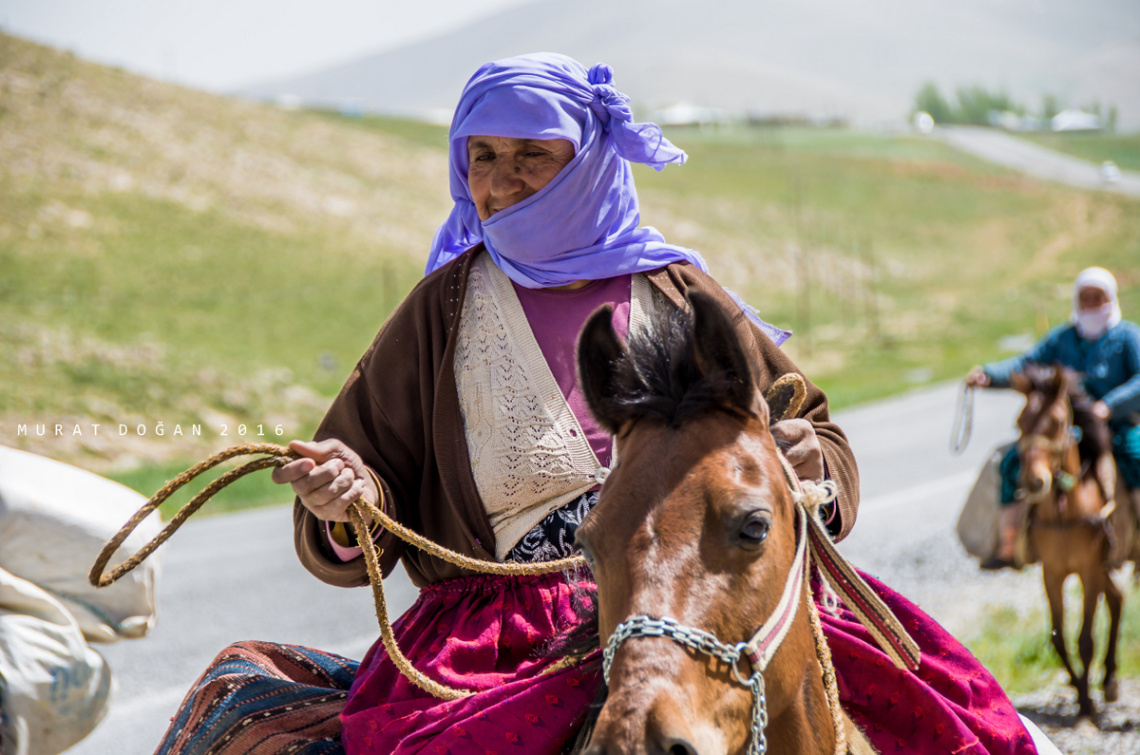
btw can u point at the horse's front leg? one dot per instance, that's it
(1093, 586)
(1055, 592)
(1115, 600)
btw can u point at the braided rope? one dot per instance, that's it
(830, 684)
(276, 456)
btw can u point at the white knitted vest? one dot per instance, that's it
(528, 453)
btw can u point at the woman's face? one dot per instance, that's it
(1091, 297)
(503, 171)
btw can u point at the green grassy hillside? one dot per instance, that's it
(1122, 149)
(171, 256)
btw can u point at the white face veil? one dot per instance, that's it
(1094, 323)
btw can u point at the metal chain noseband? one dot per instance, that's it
(703, 642)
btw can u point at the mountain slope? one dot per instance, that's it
(864, 61)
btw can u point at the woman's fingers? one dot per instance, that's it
(804, 451)
(327, 478)
(320, 477)
(331, 502)
(977, 378)
(294, 470)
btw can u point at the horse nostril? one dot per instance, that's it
(681, 748)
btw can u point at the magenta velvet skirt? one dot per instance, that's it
(951, 704)
(485, 633)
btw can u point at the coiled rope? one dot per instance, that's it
(963, 419)
(276, 456)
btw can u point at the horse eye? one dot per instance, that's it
(754, 531)
(584, 548)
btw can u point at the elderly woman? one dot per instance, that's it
(1105, 349)
(465, 421)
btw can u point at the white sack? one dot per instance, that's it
(54, 519)
(978, 522)
(54, 689)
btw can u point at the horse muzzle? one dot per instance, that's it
(628, 727)
(1037, 484)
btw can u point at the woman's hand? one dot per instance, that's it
(803, 449)
(327, 478)
(1101, 411)
(978, 378)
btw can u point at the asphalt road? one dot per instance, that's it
(234, 577)
(1002, 148)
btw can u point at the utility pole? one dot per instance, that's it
(872, 293)
(803, 279)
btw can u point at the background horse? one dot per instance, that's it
(698, 523)
(1069, 487)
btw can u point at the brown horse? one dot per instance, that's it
(695, 540)
(1069, 485)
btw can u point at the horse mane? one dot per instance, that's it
(1095, 437)
(659, 375)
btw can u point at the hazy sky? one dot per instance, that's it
(224, 44)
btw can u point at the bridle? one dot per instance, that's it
(762, 646)
(1062, 482)
(1057, 447)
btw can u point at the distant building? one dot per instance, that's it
(1011, 121)
(1076, 120)
(800, 120)
(352, 107)
(687, 114)
(289, 101)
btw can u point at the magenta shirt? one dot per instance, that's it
(556, 318)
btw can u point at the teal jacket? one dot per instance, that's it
(1110, 365)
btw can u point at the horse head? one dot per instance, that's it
(1045, 424)
(696, 530)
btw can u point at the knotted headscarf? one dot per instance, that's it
(584, 224)
(1092, 324)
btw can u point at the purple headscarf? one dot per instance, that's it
(584, 224)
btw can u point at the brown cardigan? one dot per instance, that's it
(400, 411)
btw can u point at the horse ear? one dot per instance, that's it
(1060, 378)
(600, 351)
(718, 353)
